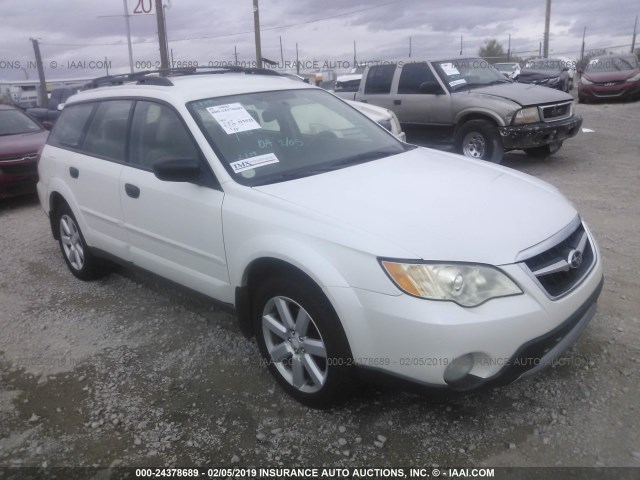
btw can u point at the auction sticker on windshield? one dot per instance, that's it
(233, 118)
(457, 82)
(449, 69)
(254, 162)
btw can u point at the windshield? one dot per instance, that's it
(468, 73)
(613, 64)
(545, 64)
(14, 122)
(269, 137)
(359, 69)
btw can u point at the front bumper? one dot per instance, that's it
(603, 92)
(518, 137)
(18, 177)
(410, 342)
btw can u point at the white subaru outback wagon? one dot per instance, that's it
(346, 252)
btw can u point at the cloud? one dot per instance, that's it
(202, 31)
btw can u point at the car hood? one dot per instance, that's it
(522, 94)
(530, 75)
(435, 205)
(349, 78)
(16, 145)
(372, 111)
(601, 77)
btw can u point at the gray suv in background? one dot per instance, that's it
(469, 103)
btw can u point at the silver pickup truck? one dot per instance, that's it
(469, 103)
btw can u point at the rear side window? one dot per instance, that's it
(379, 79)
(158, 134)
(107, 134)
(67, 132)
(413, 75)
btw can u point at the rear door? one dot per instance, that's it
(90, 143)
(175, 228)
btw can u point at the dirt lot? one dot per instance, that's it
(130, 371)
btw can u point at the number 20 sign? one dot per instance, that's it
(142, 7)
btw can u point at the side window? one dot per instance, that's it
(107, 134)
(157, 133)
(67, 131)
(379, 79)
(413, 75)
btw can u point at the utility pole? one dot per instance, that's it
(162, 35)
(460, 45)
(235, 54)
(126, 21)
(584, 33)
(409, 46)
(281, 54)
(509, 50)
(297, 61)
(633, 40)
(43, 100)
(354, 54)
(547, 20)
(256, 26)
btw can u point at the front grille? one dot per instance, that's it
(563, 266)
(609, 84)
(557, 111)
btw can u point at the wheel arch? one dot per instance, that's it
(262, 267)
(55, 200)
(487, 115)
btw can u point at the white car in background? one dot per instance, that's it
(346, 252)
(508, 69)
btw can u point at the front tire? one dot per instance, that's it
(302, 341)
(77, 255)
(479, 139)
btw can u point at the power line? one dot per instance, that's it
(229, 34)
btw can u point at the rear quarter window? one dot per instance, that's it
(68, 130)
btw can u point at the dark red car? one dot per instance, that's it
(20, 140)
(609, 77)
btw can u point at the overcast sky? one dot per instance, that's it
(203, 31)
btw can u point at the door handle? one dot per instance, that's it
(74, 172)
(132, 190)
(397, 102)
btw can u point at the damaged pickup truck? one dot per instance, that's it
(469, 103)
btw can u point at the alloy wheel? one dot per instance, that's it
(294, 344)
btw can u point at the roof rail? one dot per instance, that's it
(160, 76)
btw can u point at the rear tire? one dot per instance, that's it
(544, 151)
(75, 251)
(302, 341)
(479, 139)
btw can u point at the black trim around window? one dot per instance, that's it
(209, 178)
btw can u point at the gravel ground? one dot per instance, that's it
(129, 370)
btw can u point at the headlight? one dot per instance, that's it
(585, 81)
(526, 115)
(466, 284)
(635, 78)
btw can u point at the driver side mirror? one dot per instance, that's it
(177, 170)
(430, 87)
